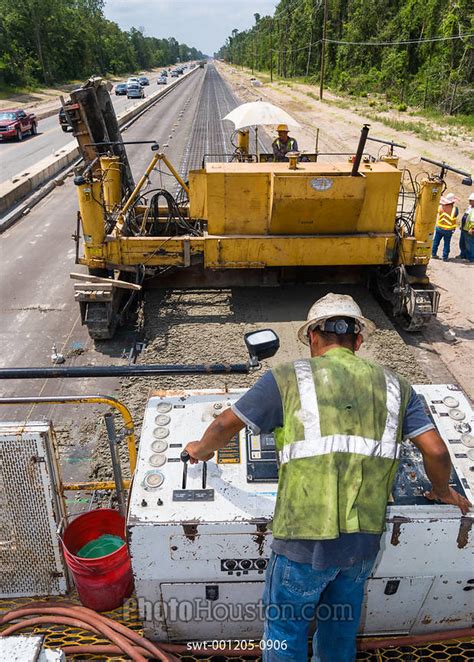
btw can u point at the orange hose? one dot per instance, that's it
(414, 640)
(92, 618)
(121, 642)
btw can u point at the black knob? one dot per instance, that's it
(185, 457)
(230, 564)
(144, 503)
(245, 564)
(261, 564)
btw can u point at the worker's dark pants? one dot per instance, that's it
(296, 594)
(446, 236)
(468, 246)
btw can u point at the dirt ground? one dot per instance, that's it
(339, 131)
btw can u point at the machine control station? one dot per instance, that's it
(201, 532)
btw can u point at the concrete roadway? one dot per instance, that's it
(17, 157)
(36, 293)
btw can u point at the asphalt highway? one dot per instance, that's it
(16, 157)
(38, 254)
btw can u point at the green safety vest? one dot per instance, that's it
(469, 222)
(339, 445)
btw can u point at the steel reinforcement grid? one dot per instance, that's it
(209, 134)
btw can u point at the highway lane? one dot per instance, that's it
(17, 157)
(36, 293)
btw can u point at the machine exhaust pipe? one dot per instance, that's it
(360, 149)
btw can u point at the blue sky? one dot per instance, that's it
(204, 24)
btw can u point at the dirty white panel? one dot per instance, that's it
(393, 603)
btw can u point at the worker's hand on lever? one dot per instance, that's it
(197, 452)
(217, 435)
(450, 496)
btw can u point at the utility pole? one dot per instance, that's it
(311, 36)
(271, 50)
(323, 50)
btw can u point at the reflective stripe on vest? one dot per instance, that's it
(469, 222)
(447, 221)
(314, 444)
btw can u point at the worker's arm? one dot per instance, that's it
(217, 435)
(438, 469)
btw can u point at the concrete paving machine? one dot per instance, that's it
(247, 217)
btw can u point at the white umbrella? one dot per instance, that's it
(258, 113)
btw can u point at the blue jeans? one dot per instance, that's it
(466, 246)
(446, 235)
(295, 594)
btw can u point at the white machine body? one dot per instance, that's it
(199, 554)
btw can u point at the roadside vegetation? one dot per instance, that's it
(417, 53)
(46, 42)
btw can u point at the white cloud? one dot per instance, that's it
(204, 24)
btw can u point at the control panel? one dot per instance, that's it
(248, 466)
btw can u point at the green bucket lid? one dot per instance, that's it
(101, 546)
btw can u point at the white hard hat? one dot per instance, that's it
(335, 305)
(471, 197)
(448, 199)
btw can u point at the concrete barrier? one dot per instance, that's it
(15, 190)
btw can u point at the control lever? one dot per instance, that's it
(185, 459)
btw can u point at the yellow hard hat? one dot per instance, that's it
(282, 127)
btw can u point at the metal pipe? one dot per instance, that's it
(152, 370)
(114, 454)
(90, 400)
(175, 174)
(360, 149)
(445, 166)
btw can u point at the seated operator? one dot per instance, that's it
(283, 144)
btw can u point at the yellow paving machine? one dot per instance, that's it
(248, 217)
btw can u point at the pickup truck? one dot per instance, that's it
(15, 123)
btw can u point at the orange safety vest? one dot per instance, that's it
(447, 221)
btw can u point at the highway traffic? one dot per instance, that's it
(16, 157)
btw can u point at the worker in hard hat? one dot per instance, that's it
(338, 422)
(283, 144)
(446, 223)
(466, 241)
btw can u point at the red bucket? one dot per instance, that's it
(102, 583)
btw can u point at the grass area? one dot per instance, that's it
(8, 91)
(372, 105)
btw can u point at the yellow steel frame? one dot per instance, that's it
(91, 400)
(260, 215)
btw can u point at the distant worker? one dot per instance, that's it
(283, 144)
(338, 422)
(446, 224)
(466, 241)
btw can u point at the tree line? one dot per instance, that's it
(433, 67)
(52, 41)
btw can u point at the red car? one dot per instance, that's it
(15, 123)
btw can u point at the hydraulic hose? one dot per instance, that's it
(122, 643)
(90, 617)
(414, 640)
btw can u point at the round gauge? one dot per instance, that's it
(218, 405)
(162, 419)
(449, 401)
(157, 459)
(152, 480)
(470, 454)
(160, 433)
(462, 428)
(457, 414)
(163, 407)
(159, 446)
(468, 440)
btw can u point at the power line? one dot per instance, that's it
(399, 43)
